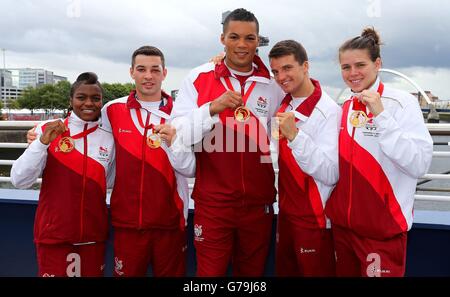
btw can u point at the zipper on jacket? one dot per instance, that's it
(242, 153)
(141, 186)
(350, 196)
(242, 172)
(83, 190)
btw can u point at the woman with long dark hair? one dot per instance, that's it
(384, 147)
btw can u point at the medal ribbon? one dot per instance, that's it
(79, 135)
(358, 105)
(146, 126)
(285, 103)
(244, 95)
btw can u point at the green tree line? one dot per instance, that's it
(53, 97)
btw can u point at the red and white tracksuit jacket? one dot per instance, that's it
(72, 200)
(233, 164)
(379, 165)
(148, 192)
(309, 163)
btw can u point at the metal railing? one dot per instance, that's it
(433, 128)
(409, 80)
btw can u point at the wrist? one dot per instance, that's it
(292, 135)
(44, 140)
(378, 111)
(212, 110)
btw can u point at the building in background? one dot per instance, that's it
(33, 77)
(422, 102)
(15, 80)
(5, 78)
(7, 90)
(58, 78)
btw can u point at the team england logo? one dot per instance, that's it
(198, 232)
(119, 266)
(262, 106)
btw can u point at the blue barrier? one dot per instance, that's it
(427, 253)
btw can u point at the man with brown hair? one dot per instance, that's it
(308, 161)
(150, 198)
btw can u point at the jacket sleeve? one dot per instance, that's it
(111, 174)
(192, 122)
(29, 166)
(317, 155)
(181, 157)
(405, 140)
(105, 123)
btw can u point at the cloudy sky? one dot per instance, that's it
(72, 36)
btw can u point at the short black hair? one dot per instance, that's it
(240, 14)
(289, 47)
(148, 50)
(88, 78)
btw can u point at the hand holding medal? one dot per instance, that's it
(229, 99)
(372, 100)
(235, 101)
(286, 122)
(53, 130)
(165, 132)
(67, 142)
(368, 99)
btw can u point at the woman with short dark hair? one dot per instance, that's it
(75, 158)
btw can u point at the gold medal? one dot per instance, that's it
(154, 141)
(358, 118)
(66, 144)
(242, 114)
(276, 134)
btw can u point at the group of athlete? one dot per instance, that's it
(346, 182)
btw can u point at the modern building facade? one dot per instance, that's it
(15, 80)
(33, 77)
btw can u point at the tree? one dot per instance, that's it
(52, 97)
(115, 90)
(48, 97)
(12, 103)
(29, 99)
(62, 88)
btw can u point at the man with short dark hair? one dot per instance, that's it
(308, 161)
(225, 110)
(150, 198)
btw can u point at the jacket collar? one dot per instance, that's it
(307, 106)
(75, 120)
(260, 70)
(165, 106)
(374, 87)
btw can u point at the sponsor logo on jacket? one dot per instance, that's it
(262, 106)
(124, 131)
(307, 251)
(103, 154)
(198, 232)
(118, 266)
(370, 129)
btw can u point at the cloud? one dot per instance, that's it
(72, 36)
(431, 79)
